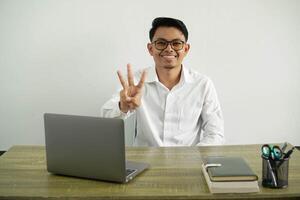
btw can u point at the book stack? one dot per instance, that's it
(229, 175)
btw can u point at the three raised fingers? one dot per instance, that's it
(130, 83)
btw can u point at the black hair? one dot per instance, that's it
(168, 22)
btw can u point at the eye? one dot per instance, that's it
(161, 43)
(177, 44)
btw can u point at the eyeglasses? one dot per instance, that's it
(163, 44)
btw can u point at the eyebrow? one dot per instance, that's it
(168, 40)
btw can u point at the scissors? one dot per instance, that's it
(271, 152)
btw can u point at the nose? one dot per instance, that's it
(169, 48)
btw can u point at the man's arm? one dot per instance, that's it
(111, 108)
(212, 118)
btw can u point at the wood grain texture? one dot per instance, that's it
(175, 173)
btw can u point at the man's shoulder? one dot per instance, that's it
(150, 74)
(139, 72)
(195, 76)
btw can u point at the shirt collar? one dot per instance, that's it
(184, 78)
(151, 75)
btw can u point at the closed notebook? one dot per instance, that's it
(229, 186)
(231, 169)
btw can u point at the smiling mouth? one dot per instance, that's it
(169, 56)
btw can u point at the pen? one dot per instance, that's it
(284, 147)
(288, 154)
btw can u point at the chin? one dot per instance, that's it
(169, 67)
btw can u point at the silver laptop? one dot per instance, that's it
(88, 147)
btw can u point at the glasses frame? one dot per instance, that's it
(169, 43)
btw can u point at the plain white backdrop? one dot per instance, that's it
(61, 56)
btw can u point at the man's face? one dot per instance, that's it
(168, 58)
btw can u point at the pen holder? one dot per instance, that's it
(275, 173)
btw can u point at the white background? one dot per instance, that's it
(61, 56)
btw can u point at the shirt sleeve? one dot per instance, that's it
(212, 118)
(111, 109)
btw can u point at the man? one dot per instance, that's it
(174, 105)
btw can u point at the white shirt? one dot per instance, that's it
(189, 114)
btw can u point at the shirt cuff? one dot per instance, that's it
(122, 114)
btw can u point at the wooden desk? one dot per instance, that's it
(174, 174)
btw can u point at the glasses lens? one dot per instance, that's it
(177, 45)
(160, 44)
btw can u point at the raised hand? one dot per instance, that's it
(130, 96)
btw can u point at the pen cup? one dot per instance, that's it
(275, 173)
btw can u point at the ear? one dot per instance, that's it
(187, 48)
(150, 49)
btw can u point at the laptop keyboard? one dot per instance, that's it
(130, 171)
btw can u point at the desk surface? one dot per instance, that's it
(174, 174)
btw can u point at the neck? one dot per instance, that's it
(169, 77)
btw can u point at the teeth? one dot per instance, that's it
(169, 56)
